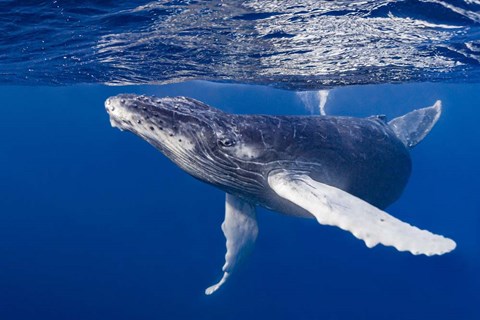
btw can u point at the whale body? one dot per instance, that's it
(341, 171)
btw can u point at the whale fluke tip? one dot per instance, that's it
(212, 289)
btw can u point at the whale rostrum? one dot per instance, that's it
(341, 171)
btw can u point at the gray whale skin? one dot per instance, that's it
(341, 171)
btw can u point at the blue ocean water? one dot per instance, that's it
(97, 224)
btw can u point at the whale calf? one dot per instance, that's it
(341, 171)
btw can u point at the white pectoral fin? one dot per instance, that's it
(334, 207)
(241, 230)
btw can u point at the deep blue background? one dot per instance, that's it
(96, 224)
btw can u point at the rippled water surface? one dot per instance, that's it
(306, 44)
(97, 224)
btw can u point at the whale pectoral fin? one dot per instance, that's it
(241, 230)
(334, 207)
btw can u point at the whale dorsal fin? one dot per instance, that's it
(412, 127)
(334, 207)
(241, 230)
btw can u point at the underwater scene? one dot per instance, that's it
(240, 159)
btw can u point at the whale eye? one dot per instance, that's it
(226, 142)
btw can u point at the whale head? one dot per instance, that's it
(198, 138)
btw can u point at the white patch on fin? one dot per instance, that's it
(241, 230)
(334, 207)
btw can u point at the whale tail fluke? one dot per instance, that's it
(412, 127)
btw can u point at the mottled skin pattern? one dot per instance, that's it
(237, 152)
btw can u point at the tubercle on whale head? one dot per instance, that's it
(125, 107)
(173, 125)
(160, 120)
(200, 139)
(205, 142)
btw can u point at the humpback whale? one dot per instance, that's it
(341, 171)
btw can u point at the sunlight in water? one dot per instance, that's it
(314, 100)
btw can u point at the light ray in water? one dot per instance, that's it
(314, 100)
